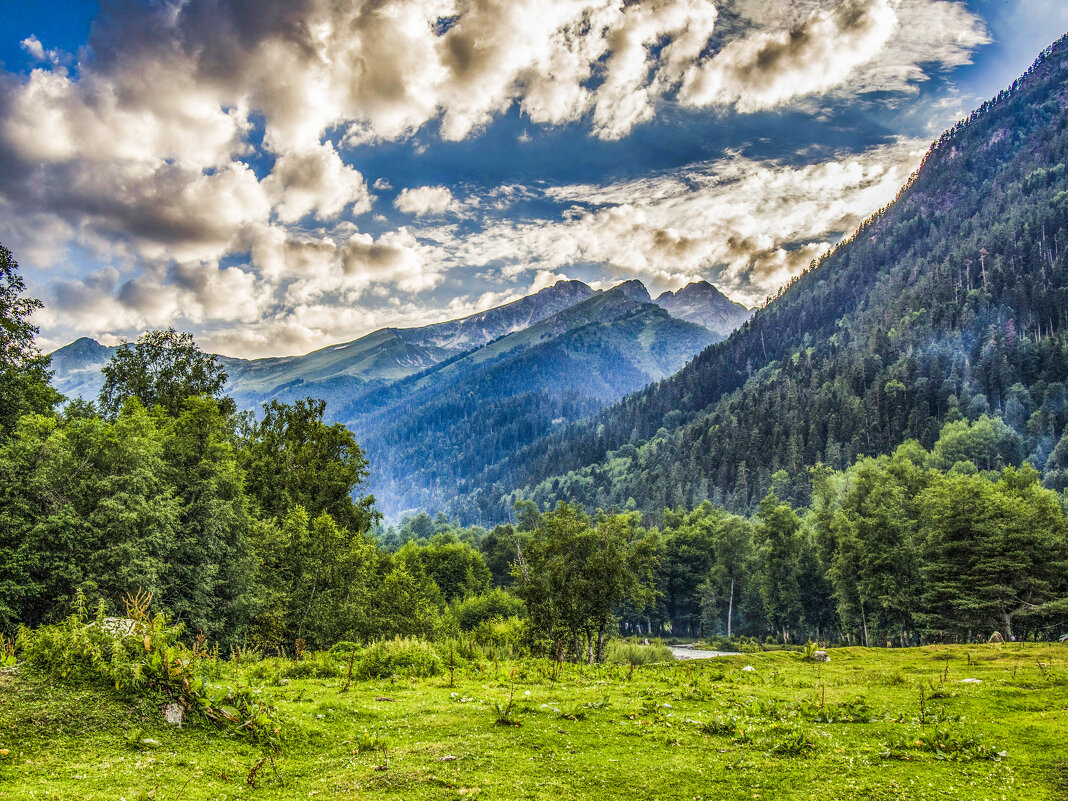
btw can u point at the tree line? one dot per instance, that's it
(251, 530)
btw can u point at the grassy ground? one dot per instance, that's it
(688, 730)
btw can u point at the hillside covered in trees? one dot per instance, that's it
(950, 303)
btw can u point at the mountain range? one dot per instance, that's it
(435, 405)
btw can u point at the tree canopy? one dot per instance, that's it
(162, 368)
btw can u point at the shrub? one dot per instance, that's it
(793, 741)
(503, 638)
(141, 656)
(402, 657)
(323, 665)
(471, 612)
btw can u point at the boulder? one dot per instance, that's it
(173, 714)
(820, 656)
(996, 637)
(749, 669)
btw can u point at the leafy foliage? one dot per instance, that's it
(574, 573)
(162, 368)
(142, 654)
(24, 376)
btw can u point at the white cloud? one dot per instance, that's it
(33, 46)
(394, 258)
(315, 182)
(749, 226)
(767, 69)
(149, 158)
(425, 200)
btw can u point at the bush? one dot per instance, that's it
(402, 657)
(631, 653)
(470, 613)
(141, 656)
(322, 665)
(503, 638)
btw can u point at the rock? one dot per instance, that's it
(172, 713)
(996, 637)
(749, 669)
(970, 681)
(447, 758)
(820, 656)
(646, 640)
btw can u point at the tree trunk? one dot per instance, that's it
(864, 623)
(730, 609)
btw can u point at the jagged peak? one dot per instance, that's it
(633, 290)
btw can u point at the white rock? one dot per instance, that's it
(172, 713)
(970, 681)
(820, 656)
(749, 669)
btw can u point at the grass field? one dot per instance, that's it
(856, 727)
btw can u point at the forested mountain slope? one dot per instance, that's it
(426, 434)
(952, 301)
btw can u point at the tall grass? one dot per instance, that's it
(619, 652)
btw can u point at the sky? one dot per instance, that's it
(279, 175)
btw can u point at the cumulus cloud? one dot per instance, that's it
(315, 182)
(424, 200)
(393, 258)
(747, 225)
(207, 151)
(766, 69)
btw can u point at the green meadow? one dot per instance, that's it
(870, 723)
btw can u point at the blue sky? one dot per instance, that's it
(276, 176)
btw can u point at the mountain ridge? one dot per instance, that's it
(356, 366)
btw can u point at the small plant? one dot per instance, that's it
(945, 743)
(729, 726)
(135, 738)
(794, 741)
(574, 712)
(369, 741)
(506, 714)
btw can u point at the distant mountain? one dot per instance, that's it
(340, 373)
(76, 368)
(949, 304)
(705, 305)
(634, 290)
(426, 435)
